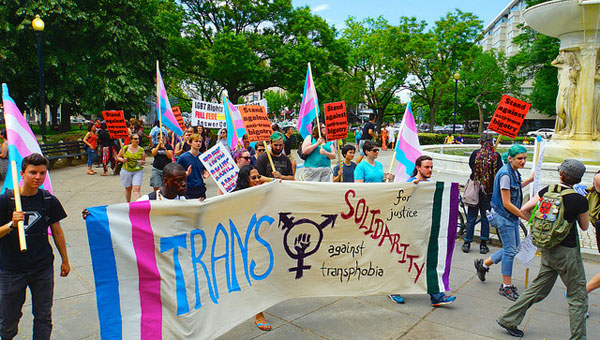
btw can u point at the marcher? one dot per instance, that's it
(162, 156)
(34, 268)
(260, 149)
(287, 145)
(346, 174)
(91, 140)
(370, 171)
(222, 138)
(563, 259)
(391, 135)
(174, 185)
(106, 147)
(195, 169)
(184, 145)
(317, 165)
(246, 145)
(155, 132)
(422, 173)
(249, 177)
(367, 133)
(484, 163)
(242, 157)
(283, 166)
(3, 154)
(506, 204)
(383, 138)
(133, 158)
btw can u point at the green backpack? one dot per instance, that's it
(548, 225)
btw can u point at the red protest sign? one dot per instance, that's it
(115, 122)
(336, 120)
(257, 123)
(178, 116)
(509, 116)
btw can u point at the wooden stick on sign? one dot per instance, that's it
(158, 103)
(18, 207)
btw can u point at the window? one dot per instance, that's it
(511, 20)
(509, 49)
(510, 35)
(496, 44)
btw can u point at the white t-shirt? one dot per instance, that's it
(160, 197)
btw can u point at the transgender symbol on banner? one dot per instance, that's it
(302, 240)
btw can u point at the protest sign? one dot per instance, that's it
(220, 165)
(336, 120)
(538, 152)
(194, 270)
(257, 123)
(526, 251)
(178, 116)
(211, 115)
(509, 116)
(115, 122)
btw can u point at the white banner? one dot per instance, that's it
(194, 270)
(211, 115)
(539, 148)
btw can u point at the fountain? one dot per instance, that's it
(576, 23)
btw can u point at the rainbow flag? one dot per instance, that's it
(21, 140)
(309, 109)
(166, 113)
(408, 148)
(235, 124)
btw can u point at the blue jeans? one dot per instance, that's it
(509, 233)
(91, 155)
(484, 205)
(12, 296)
(437, 297)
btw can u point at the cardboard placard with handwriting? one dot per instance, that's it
(257, 123)
(115, 122)
(336, 120)
(509, 116)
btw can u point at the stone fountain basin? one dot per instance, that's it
(568, 20)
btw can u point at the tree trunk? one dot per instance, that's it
(65, 117)
(480, 128)
(53, 112)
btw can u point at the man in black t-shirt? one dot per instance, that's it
(288, 141)
(564, 260)
(283, 166)
(163, 154)
(33, 268)
(368, 133)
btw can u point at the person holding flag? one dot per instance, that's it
(317, 166)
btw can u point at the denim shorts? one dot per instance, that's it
(129, 178)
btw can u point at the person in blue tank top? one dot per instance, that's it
(422, 173)
(317, 166)
(371, 170)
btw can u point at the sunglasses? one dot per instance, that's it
(254, 178)
(260, 150)
(374, 150)
(247, 157)
(135, 139)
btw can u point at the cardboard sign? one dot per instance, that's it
(211, 115)
(257, 123)
(115, 122)
(336, 120)
(219, 163)
(509, 116)
(178, 116)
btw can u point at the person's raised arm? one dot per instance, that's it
(528, 207)
(511, 208)
(308, 146)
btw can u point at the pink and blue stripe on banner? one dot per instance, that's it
(21, 140)
(408, 148)
(235, 124)
(126, 272)
(167, 117)
(309, 109)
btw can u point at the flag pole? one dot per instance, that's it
(339, 143)
(316, 106)
(18, 207)
(394, 155)
(158, 101)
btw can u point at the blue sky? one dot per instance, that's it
(336, 11)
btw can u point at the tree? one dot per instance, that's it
(376, 65)
(434, 55)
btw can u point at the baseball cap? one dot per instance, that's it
(572, 167)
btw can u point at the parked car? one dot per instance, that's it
(490, 132)
(423, 127)
(544, 132)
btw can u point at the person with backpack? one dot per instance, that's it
(484, 163)
(33, 269)
(367, 133)
(553, 230)
(506, 204)
(174, 185)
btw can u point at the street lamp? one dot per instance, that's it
(38, 26)
(456, 79)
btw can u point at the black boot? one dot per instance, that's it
(466, 246)
(483, 248)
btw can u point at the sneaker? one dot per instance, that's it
(466, 247)
(509, 292)
(481, 270)
(512, 331)
(446, 300)
(483, 248)
(396, 298)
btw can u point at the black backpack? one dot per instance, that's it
(10, 194)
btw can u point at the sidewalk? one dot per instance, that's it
(472, 316)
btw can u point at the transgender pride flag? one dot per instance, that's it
(235, 124)
(309, 110)
(162, 101)
(21, 140)
(408, 148)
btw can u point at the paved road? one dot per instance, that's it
(472, 316)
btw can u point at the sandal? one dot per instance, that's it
(104, 174)
(91, 173)
(263, 326)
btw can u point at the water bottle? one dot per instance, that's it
(492, 219)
